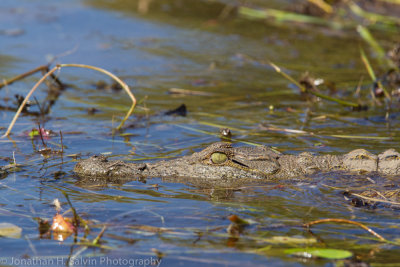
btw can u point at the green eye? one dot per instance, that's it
(218, 157)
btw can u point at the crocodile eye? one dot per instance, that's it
(218, 157)
(392, 157)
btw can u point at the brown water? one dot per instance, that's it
(178, 44)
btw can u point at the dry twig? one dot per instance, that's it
(58, 67)
(334, 220)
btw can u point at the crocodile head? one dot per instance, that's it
(219, 161)
(360, 160)
(389, 162)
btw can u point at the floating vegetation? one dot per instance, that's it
(50, 73)
(10, 230)
(335, 220)
(338, 15)
(325, 253)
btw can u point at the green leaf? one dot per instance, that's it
(367, 65)
(33, 133)
(372, 73)
(326, 253)
(367, 36)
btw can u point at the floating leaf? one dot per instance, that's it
(149, 228)
(46, 134)
(62, 225)
(236, 219)
(326, 253)
(10, 230)
(33, 133)
(290, 240)
(264, 249)
(62, 228)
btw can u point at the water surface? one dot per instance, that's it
(173, 45)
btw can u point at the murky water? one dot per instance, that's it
(170, 44)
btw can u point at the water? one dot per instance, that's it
(174, 45)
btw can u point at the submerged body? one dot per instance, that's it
(222, 162)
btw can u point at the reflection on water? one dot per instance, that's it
(197, 46)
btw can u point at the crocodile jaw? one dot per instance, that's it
(99, 167)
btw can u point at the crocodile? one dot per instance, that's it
(222, 162)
